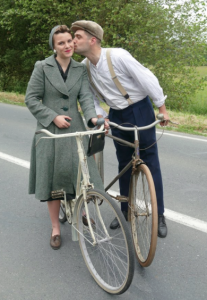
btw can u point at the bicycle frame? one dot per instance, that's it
(82, 186)
(136, 158)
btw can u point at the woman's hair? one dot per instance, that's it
(61, 29)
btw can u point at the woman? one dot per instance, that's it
(54, 87)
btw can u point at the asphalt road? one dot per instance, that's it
(30, 269)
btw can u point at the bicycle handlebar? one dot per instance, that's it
(77, 133)
(160, 118)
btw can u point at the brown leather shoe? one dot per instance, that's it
(85, 221)
(55, 242)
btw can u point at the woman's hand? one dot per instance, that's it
(62, 121)
(94, 121)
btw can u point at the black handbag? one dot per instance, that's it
(96, 143)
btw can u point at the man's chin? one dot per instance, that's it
(76, 51)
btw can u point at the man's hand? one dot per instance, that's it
(162, 110)
(106, 125)
(62, 121)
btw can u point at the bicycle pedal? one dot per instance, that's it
(59, 194)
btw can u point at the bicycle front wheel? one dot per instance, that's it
(143, 213)
(111, 260)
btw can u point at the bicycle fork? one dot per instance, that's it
(85, 186)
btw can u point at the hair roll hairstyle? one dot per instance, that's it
(61, 29)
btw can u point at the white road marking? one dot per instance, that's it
(170, 214)
(186, 220)
(15, 160)
(183, 136)
(179, 218)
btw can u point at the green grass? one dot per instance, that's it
(199, 101)
(12, 98)
(188, 123)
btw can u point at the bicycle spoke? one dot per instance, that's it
(108, 261)
(144, 216)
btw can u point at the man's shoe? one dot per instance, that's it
(55, 241)
(115, 223)
(162, 227)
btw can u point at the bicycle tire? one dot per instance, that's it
(62, 214)
(110, 261)
(143, 214)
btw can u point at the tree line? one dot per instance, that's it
(165, 36)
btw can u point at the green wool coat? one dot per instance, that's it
(54, 162)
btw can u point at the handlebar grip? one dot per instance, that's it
(160, 117)
(100, 122)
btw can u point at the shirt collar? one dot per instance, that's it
(101, 58)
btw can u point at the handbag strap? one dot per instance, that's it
(115, 79)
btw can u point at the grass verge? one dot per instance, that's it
(12, 98)
(188, 123)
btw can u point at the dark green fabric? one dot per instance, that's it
(54, 163)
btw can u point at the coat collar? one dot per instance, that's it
(53, 74)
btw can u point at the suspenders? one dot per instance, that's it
(113, 77)
(98, 94)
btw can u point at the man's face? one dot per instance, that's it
(81, 42)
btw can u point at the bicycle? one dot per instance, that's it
(142, 203)
(108, 255)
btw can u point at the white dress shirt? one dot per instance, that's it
(137, 80)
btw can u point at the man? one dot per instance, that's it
(139, 82)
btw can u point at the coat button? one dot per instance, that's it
(65, 108)
(65, 97)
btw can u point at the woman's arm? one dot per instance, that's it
(35, 93)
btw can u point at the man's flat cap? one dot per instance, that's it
(89, 26)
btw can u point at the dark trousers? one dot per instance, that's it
(140, 114)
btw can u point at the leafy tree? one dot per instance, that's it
(165, 36)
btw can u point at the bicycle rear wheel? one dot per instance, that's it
(111, 260)
(143, 213)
